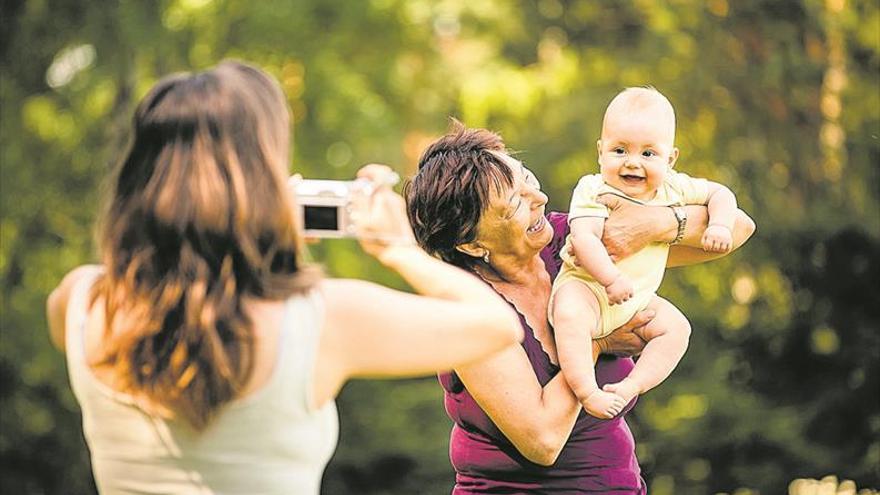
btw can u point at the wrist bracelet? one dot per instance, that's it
(682, 218)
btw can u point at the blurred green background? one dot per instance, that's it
(779, 99)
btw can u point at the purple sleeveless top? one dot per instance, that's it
(599, 456)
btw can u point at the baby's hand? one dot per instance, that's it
(717, 239)
(620, 290)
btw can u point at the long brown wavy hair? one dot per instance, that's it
(199, 218)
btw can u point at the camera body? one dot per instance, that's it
(325, 206)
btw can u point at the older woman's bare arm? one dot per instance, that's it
(537, 420)
(690, 252)
(631, 226)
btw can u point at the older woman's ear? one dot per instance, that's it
(472, 249)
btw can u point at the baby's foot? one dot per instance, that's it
(603, 404)
(626, 389)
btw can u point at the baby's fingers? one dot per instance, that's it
(710, 244)
(706, 243)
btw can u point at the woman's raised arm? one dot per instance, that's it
(373, 331)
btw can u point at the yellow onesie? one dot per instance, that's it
(645, 268)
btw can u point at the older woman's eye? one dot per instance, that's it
(513, 210)
(532, 181)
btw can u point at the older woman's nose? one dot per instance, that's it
(540, 199)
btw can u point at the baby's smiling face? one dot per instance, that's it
(637, 145)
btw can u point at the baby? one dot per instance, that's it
(636, 156)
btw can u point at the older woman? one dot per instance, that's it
(518, 427)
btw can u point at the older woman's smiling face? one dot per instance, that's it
(514, 222)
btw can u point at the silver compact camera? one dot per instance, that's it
(325, 206)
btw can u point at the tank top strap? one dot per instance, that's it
(81, 378)
(301, 330)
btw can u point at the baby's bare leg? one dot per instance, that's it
(667, 336)
(575, 313)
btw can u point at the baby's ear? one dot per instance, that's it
(599, 146)
(673, 157)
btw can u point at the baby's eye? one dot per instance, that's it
(618, 151)
(649, 153)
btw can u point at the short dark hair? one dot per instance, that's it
(451, 190)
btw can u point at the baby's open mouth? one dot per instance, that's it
(632, 179)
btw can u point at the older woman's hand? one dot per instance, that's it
(631, 226)
(626, 340)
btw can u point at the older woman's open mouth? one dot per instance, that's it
(538, 226)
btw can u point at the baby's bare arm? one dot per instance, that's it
(721, 205)
(586, 235)
(718, 237)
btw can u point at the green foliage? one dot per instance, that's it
(777, 99)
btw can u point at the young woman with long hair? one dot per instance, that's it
(204, 353)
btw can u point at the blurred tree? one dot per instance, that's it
(777, 99)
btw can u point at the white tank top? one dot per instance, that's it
(266, 443)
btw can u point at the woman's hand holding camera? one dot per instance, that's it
(380, 214)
